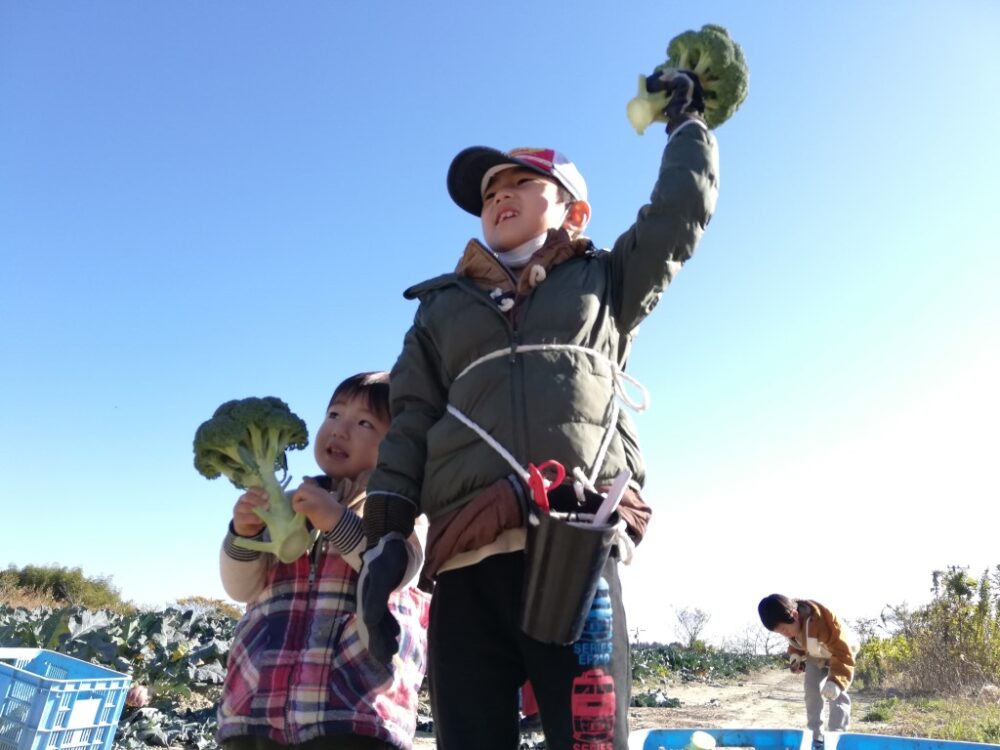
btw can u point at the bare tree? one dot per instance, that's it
(755, 640)
(690, 623)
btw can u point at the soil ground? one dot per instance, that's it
(769, 699)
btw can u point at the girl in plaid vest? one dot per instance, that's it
(298, 675)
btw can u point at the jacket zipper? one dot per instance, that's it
(515, 395)
(519, 433)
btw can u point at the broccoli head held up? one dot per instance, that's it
(717, 62)
(245, 441)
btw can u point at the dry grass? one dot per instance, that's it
(14, 596)
(966, 719)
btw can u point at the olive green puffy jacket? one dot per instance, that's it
(538, 405)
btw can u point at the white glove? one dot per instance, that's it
(831, 690)
(797, 663)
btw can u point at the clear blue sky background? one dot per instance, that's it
(203, 201)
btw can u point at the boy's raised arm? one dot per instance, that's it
(648, 255)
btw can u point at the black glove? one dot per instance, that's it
(686, 98)
(382, 569)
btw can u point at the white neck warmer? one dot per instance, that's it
(520, 255)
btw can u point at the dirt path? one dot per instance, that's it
(765, 699)
(771, 699)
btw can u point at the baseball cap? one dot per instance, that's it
(473, 167)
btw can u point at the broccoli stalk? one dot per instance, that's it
(245, 441)
(720, 66)
(645, 108)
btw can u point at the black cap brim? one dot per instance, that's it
(465, 175)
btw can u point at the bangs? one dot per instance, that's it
(371, 387)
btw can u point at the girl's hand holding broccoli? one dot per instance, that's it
(322, 508)
(245, 521)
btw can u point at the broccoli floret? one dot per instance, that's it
(245, 441)
(721, 68)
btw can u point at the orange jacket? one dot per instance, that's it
(822, 638)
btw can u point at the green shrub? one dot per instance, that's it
(881, 710)
(67, 586)
(948, 647)
(879, 659)
(991, 732)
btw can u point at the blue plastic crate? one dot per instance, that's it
(50, 700)
(790, 739)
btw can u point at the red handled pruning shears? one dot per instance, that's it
(539, 486)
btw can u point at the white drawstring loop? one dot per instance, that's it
(581, 482)
(504, 453)
(626, 547)
(636, 406)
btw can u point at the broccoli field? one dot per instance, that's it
(180, 656)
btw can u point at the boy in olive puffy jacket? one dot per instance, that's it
(517, 358)
(817, 646)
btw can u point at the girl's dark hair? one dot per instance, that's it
(373, 387)
(776, 609)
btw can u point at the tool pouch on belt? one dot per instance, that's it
(565, 553)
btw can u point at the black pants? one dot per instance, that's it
(478, 658)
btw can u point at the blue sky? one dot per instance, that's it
(203, 201)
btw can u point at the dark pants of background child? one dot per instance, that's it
(478, 658)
